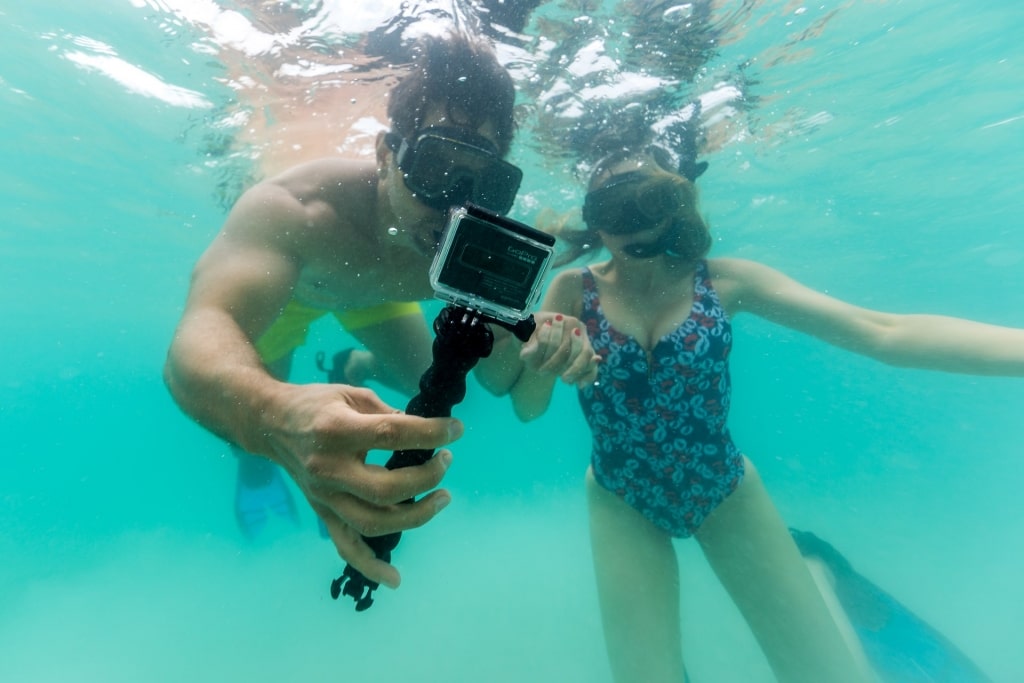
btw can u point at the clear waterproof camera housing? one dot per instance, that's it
(491, 264)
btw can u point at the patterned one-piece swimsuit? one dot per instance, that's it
(660, 439)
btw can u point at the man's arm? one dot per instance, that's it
(240, 284)
(319, 433)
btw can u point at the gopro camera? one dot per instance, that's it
(491, 264)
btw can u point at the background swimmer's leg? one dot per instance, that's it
(638, 591)
(751, 551)
(900, 647)
(260, 489)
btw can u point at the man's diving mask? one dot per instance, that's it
(634, 201)
(447, 167)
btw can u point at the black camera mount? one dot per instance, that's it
(462, 337)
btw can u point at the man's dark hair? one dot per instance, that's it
(462, 75)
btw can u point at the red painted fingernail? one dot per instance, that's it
(576, 331)
(558, 317)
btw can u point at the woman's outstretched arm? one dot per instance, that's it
(933, 342)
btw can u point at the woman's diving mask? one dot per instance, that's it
(634, 201)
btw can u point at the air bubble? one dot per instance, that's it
(678, 14)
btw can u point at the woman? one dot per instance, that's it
(658, 314)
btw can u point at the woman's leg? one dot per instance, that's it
(755, 558)
(638, 590)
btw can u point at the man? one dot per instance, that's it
(351, 238)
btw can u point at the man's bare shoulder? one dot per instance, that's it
(312, 194)
(301, 209)
(327, 180)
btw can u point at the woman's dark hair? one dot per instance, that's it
(463, 76)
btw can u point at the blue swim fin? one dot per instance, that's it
(899, 645)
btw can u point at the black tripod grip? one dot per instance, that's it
(462, 338)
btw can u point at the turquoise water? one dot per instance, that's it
(878, 160)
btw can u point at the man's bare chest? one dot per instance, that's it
(347, 285)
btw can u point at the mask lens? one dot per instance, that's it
(613, 208)
(496, 187)
(660, 197)
(445, 172)
(634, 202)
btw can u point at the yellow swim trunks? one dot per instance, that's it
(289, 331)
